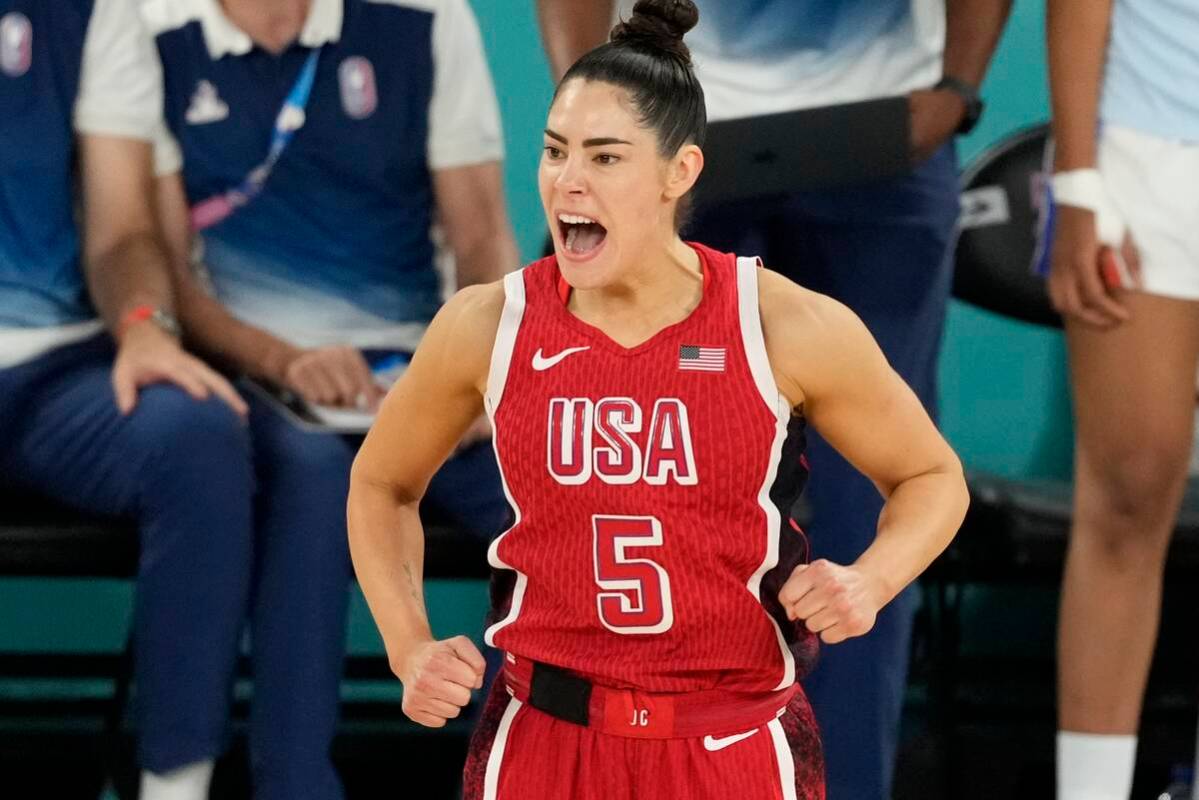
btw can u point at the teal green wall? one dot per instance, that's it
(1003, 393)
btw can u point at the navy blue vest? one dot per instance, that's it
(41, 50)
(348, 208)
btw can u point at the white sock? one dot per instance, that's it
(185, 783)
(1095, 766)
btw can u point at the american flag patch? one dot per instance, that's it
(701, 359)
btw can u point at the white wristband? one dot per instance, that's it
(1084, 188)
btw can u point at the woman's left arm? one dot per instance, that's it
(828, 364)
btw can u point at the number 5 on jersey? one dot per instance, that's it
(635, 592)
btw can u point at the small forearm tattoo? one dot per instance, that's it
(412, 584)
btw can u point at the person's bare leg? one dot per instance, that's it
(1134, 401)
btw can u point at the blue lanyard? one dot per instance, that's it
(291, 116)
(290, 119)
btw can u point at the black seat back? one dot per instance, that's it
(1001, 191)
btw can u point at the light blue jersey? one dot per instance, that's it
(758, 57)
(1152, 78)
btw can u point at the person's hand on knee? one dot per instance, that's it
(148, 354)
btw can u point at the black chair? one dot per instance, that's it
(998, 238)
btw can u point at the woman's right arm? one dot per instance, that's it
(418, 427)
(330, 375)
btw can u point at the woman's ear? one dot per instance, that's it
(683, 171)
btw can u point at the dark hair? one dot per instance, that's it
(646, 56)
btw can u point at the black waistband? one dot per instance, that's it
(560, 694)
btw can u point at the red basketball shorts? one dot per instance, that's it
(519, 752)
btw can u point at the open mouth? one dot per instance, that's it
(581, 236)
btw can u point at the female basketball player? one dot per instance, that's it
(649, 398)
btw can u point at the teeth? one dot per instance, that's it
(574, 219)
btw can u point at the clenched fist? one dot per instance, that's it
(834, 601)
(438, 677)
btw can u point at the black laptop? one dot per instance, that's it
(815, 148)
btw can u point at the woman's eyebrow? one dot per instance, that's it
(597, 142)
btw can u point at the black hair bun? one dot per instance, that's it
(659, 24)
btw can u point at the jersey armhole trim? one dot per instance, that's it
(752, 339)
(505, 338)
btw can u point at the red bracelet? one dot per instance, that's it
(133, 316)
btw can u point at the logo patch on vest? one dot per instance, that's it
(16, 44)
(206, 105)
(359, 94)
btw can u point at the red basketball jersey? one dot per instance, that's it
(651, 488)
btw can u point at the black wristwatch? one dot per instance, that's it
(969, 95)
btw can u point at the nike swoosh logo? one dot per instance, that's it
(712, 745)
(541, 363)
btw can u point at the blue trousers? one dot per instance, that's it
(882, 249)
(238, 523)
